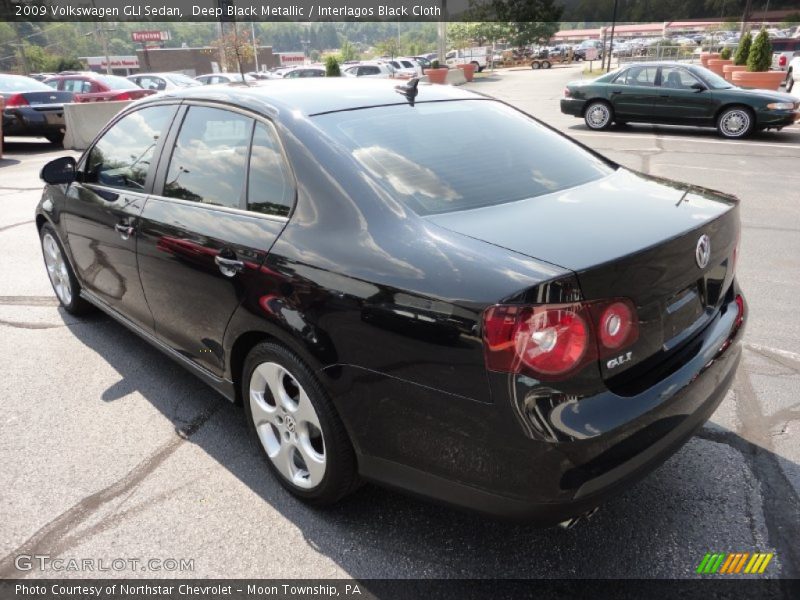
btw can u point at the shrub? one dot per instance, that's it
(743, 51)
(725, 54)
(760, 58)
(435, 64)
(332, 67)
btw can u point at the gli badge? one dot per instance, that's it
(620, 360)
(702, 253)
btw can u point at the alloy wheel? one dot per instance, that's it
(598, 116)
(57, 269)
(287, 425)
(735, 123)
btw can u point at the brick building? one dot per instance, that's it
(197, 61)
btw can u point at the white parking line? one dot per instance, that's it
(784, 353)
(682, 139)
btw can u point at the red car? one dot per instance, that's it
(94, 87)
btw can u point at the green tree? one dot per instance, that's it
(388, 47)
(743, 51)
(332, 67)
(348, 51)
(760, 58)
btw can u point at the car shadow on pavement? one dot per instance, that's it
(707, 497)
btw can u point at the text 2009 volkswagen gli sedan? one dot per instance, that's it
(522, 336)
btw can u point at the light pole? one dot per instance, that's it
(255, 47)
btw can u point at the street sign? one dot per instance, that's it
(591, 54)
(150, 36)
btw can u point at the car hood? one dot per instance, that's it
(594, 223)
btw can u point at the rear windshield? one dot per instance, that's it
(442, 157)
(117, 83)
(18, 83)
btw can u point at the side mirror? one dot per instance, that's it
(60, 170)
(698, 87)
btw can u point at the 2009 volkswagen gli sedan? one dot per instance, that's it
(521, 335)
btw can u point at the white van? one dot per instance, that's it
(480, 56)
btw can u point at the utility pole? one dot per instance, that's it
(443, 34)
(611, 42)
(255, 46)
(748, 7)
(23, 58)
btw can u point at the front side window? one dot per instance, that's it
(676, 78)
(122, 157)
(208, 163)
(409, 151)
(270, 190)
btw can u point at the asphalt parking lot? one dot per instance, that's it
(109, 450)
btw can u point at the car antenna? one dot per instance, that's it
(409, 90)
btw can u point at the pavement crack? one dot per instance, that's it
(51, 534)
(5, 227)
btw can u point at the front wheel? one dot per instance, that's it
(735, 123)
(598, 116)
(63, 280)
(303, 439)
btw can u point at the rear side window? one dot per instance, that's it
(208, 163)
(640, 76)
(503, 155)
(122, 157)
(270, 190)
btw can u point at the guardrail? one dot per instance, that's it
(657, 53)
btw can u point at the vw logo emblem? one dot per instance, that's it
(702, 253)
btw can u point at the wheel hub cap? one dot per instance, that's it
(287, 425)
(56, 269)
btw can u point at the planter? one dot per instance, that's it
(706, 56)
(729, 70)
(436, 75)
(469, 71)
(718, 64)
(762, 80)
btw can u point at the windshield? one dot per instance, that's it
(117, 83)
(18, 83)
(433, 158)
(714, 81)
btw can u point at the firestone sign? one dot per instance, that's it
(150, 36)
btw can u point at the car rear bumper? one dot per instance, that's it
(572, 106)
(606, 442)
(29, 122)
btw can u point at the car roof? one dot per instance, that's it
(314, 96)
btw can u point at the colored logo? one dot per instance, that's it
(734, 564)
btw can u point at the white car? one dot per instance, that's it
(162, 81)
(406, 66)
(792, 73)
(374, 69)
(214, 78)
(307, 71)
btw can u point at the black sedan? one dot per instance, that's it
(523, 336)
(677, 94)
(32, 108)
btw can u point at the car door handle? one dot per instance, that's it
(124, 230)
(228, 266)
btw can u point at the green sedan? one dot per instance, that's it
(677, 94)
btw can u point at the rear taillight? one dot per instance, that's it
(122, 96)
(17, 100)
(782, 60)
(739, 311)
(567, 92)
(550, 341)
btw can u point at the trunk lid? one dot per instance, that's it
(630, 236)
(42, 99)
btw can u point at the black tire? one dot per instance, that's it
(478, 68)
(55, 138)
(789, 81)
(736, 122)
(536, 65)
(594, 119)
(76, 305)
(341, 470)
(546, 64)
